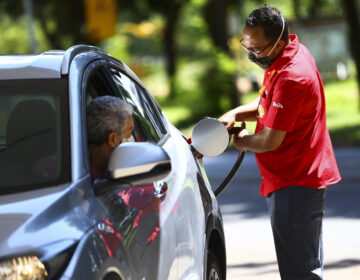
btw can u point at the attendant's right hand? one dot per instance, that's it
(228, 120)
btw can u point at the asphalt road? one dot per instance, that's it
(250, 249)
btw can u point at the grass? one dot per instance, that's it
(343, 112)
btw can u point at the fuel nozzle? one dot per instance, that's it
(235, 130)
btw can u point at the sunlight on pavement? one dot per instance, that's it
(251, 253)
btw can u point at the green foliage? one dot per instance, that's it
(218, 82)
(193, 39)
(343, 119)
(311, 8)
(15, 36)
(61, 21)
(205, 77)
(285, 6)
(117, 47)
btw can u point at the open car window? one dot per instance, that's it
(109, 81)
(145, 114)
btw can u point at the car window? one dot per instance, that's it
(109, 81)
(145, 115)
(34, 142)
(99, 83)
(154, 108)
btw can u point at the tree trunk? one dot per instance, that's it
(216, 19)
(68, 22)
(215, 14)
(352, 12)
(314, 7)
(170, 48)
(296, 7)
(50, 36)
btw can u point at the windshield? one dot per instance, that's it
(34, 134)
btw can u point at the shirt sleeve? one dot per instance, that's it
(286, 104)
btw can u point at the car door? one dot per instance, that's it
(137, 210)
(148, 127)
(182, 207)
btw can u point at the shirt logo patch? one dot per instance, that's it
(278, 105)
(260, 112)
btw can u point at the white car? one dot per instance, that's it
(162, 222)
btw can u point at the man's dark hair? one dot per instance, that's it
(270, 19)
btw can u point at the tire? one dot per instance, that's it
(214, 271)
(112, 276)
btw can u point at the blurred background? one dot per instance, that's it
(188, 54)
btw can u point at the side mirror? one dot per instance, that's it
(139, 163)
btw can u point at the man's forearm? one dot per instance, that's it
(264, 141)
(254, 143)
(246, 112)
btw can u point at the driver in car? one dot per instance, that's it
(109, 123)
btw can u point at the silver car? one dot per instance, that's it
(155, 217)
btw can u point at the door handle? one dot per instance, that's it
(160, 189)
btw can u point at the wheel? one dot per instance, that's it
(112, 276)
(214, 271)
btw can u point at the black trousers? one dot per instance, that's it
(296, 215)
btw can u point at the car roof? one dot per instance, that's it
(50, 64)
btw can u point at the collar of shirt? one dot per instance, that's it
(287, 54)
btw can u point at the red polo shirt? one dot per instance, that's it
(293, 101)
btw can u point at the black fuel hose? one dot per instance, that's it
(234, 169)
(231, 174)
(235, 129)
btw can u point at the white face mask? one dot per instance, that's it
(124, 140)
(130, 139)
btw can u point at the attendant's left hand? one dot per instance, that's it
(238, 138)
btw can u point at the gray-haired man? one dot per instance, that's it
(109, 123)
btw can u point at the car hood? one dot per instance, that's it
(35, 219)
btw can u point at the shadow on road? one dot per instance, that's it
(252, 265)
(334, 265)
(241, 196)
(343, 264)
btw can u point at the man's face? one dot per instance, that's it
(255, 42)
(114, 139)
(128, 129)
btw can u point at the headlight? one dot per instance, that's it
(23, 268)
